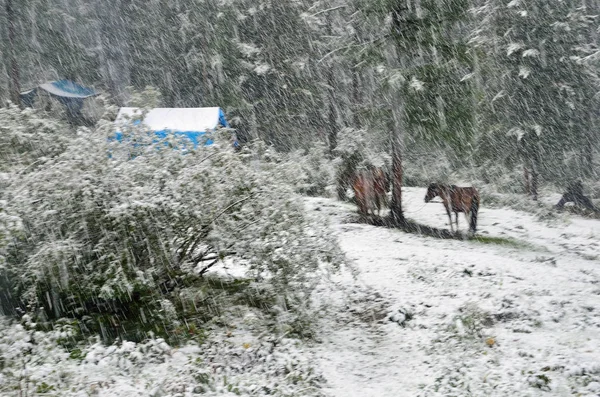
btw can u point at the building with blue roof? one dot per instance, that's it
(191, 123)
(67, 92)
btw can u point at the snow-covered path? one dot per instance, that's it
(418, 316)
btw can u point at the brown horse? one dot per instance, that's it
(457, 199)
(370, 188)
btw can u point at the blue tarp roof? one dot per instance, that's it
(64, 90)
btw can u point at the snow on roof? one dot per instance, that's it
(175, 119)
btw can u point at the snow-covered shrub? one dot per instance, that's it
(424, 163)
(26, 137)
(501, 179)
(149, 97)
(357, 145)
(355, 151)
(313, 170)
(421, 171)
(471, 321)
(34, 363)
(112, 230)
(351, 141)
(593, 187)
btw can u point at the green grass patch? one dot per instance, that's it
(503, 241)
(44, 388)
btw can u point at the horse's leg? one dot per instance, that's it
(364, 204)
(449, 218)
(359, 196)
(372, 194)
(362, 207)
(368, 199)
(468, 217)
(456, 215)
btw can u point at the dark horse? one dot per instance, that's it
(370, 188)
(457, 199)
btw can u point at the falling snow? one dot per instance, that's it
(282, 245)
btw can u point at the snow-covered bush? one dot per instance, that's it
(149, 97)
(594, 188)
(358, 146)
(26, 136)
(313, 170)
(35, 363)
(500, 178)
(356, 150)
(112, 231)
(471, 321)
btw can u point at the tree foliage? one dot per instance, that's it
(121, 229)
(495, 81)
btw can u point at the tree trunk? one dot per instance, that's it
(332, 129)
(588, 149)
(531, 155)
(588, 159)
(527, 183)
(397, 130)
(397, 173)
(356, 99)
(15, 88)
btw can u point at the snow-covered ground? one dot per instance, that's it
(407, 315)
(419, 316)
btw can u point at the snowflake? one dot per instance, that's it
(530, 53)
(513, 47)
(524, 72)
(416, 84)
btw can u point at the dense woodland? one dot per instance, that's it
(490, 86)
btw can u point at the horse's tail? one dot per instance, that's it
(474, 210)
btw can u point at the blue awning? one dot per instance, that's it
(65, 89)
(66, 92)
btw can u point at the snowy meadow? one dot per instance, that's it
(146, 270)
(252, 198)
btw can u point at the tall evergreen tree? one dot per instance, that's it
(11, 19)
(428, 92)
(545, 88)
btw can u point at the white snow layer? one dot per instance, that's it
(174, 119)
(419, 316)
(406, 316)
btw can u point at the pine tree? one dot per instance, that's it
(427, 91)
(11, 51)
(545, 89)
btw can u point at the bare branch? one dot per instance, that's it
(207, 267)
(327, 10)
(229, 207)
